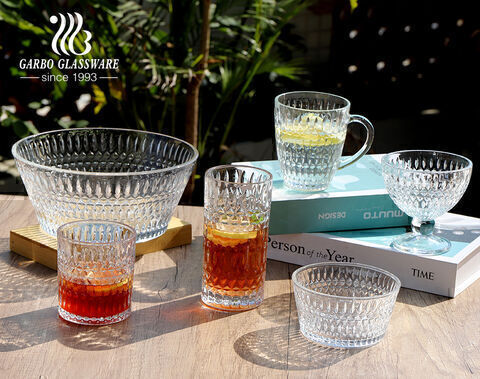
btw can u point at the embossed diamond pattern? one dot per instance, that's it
(310, 164)
(99, 255)
(106, 174)
(226, 201)
(237, 198)
(425, 184)
(344, 305)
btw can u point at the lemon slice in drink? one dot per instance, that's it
(99, 286)
(234, 235)
(231, 237)
(311, 130)
(308, 139)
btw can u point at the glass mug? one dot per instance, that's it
(310, 130)
(236, 215)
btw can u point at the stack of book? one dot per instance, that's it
(355, 220)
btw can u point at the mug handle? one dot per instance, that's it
(368, 142)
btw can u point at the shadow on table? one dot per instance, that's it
(162, 285)
(28, 329)
(176, 288)
(142, 325)
(44, 325)
(22, 279)
(285, 348)
(277, 270)
(419, 298)
(184, 279)
(280, 309)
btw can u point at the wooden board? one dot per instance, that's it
(31, 242)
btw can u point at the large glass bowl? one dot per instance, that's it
(128, 176)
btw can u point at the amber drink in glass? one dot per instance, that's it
(95, 271)
(236, 215)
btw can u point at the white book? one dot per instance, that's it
(447, 274)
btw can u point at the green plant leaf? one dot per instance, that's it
(11, 4)
(14, 71)
(35, 105)
(353, 5)
(255, 218)
(23, 128)
(59, 86)
(99, 97)
(30, 127)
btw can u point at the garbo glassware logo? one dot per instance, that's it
(66, 43)
(71, 40)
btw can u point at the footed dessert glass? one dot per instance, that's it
(425, 184)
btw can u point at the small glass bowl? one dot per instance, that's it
(344, 305)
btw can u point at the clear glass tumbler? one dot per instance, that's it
(425, 184)
(344, 305)
(236, 215)
(310, 130)
(95, 271)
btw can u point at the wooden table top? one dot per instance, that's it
(170, 334)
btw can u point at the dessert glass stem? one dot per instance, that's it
(422, 240)
(425, 228)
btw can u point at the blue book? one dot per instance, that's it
(356, 199)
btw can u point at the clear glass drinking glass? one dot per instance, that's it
(310, 130)
(344, 305)
(236, 215)
(95, 271)
(425, 184)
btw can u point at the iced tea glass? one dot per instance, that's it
(236, 215)
(95, 262)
